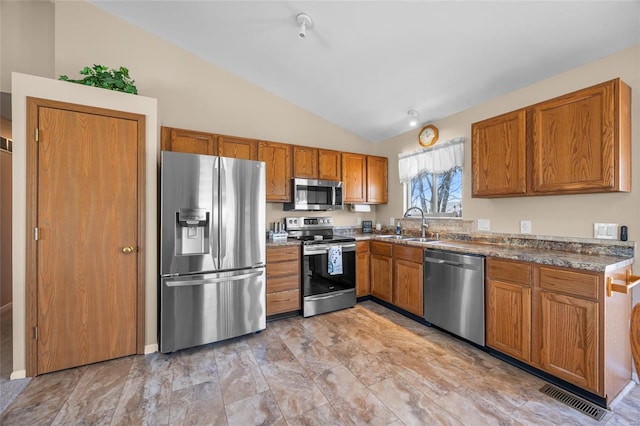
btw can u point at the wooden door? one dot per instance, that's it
(235, 147)
(354, 178)
(509, 319)
(575, 142)
(305, 162)
(189, 141)
(363, 284)
(329, 164)
(87, 194)
(568, 339)
(277, 157)
(377, 180)
(498, 155)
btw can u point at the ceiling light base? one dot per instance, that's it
(305, 23)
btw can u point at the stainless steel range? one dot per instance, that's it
(328, 265)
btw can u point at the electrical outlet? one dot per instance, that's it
(484, 225)
(607, 231)
(525, 226)
(358, 220)
(392, 221)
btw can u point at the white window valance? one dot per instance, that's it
(437, 159)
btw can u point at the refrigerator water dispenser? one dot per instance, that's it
(192, 232)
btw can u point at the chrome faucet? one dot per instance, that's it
(423, 225)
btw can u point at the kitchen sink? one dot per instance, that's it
(420, 240)
(392, 237)
(404, 238)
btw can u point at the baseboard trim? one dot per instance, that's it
(20, 374)
(149, 349)
(6, 307)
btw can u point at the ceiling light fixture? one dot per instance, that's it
(413, 117)
(305, 23)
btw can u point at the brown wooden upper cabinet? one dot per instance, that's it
(277, 157)
(377, 192)
(235, 147)
(582, 141)
(329, 164)
(576, 143)
(181, 140)
(499, 155)
(364, 178)
(354, 178)
(305, 162)
(314, 163)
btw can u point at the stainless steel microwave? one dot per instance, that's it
(313, 194)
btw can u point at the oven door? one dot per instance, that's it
(324, 290)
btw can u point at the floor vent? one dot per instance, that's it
(574, 402)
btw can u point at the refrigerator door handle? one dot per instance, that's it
(188, 283)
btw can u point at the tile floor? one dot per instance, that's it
(366, 365)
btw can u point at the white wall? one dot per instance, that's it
(26, 85)
(26, 39)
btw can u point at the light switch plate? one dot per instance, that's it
(606, 231)
(484, 225)
(392, 221)
(525, 226)
(358, 220)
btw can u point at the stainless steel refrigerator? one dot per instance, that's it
(212, 249)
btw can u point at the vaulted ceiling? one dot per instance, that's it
(364, 64)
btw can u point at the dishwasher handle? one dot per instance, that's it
(444, 262)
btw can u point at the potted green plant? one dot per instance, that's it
(101, 76)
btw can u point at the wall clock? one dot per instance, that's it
(428, 136)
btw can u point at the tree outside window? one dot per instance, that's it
(437, 194)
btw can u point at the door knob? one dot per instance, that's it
(127, 250)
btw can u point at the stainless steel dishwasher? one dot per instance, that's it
(454, 293)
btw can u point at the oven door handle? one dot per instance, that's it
(321, 249)
(329, 296)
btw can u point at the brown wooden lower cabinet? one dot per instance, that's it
(382, 270)
(363, 282)
(396, 275)
(567, 343)
(574, 330)
(508, 307)
(283, 301)
(408, 278)
(283, 279)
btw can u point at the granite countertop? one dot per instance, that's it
(576, 253)
(289, 242)
(543, 256)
